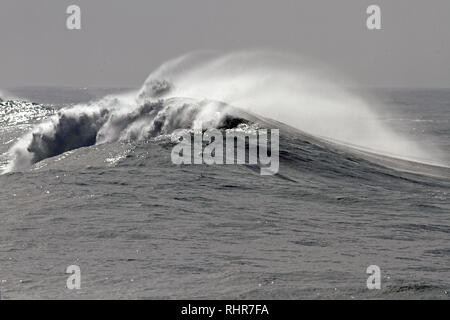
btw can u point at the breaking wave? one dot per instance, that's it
(194, 90)
(112, 119)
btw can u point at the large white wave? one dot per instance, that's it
(179, 93)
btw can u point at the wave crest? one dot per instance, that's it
(112, 119)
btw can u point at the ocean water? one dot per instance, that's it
(141, 227)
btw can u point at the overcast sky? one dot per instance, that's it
(121, 42)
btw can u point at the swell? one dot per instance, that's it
(311, 148)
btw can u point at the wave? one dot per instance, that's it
(116, 119)
(187, 93)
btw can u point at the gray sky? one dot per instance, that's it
(121, 42)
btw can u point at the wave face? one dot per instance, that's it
(183, 93)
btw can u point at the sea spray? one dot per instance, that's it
(290, 90)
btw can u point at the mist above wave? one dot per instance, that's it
(121, 118)
(288, 89)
